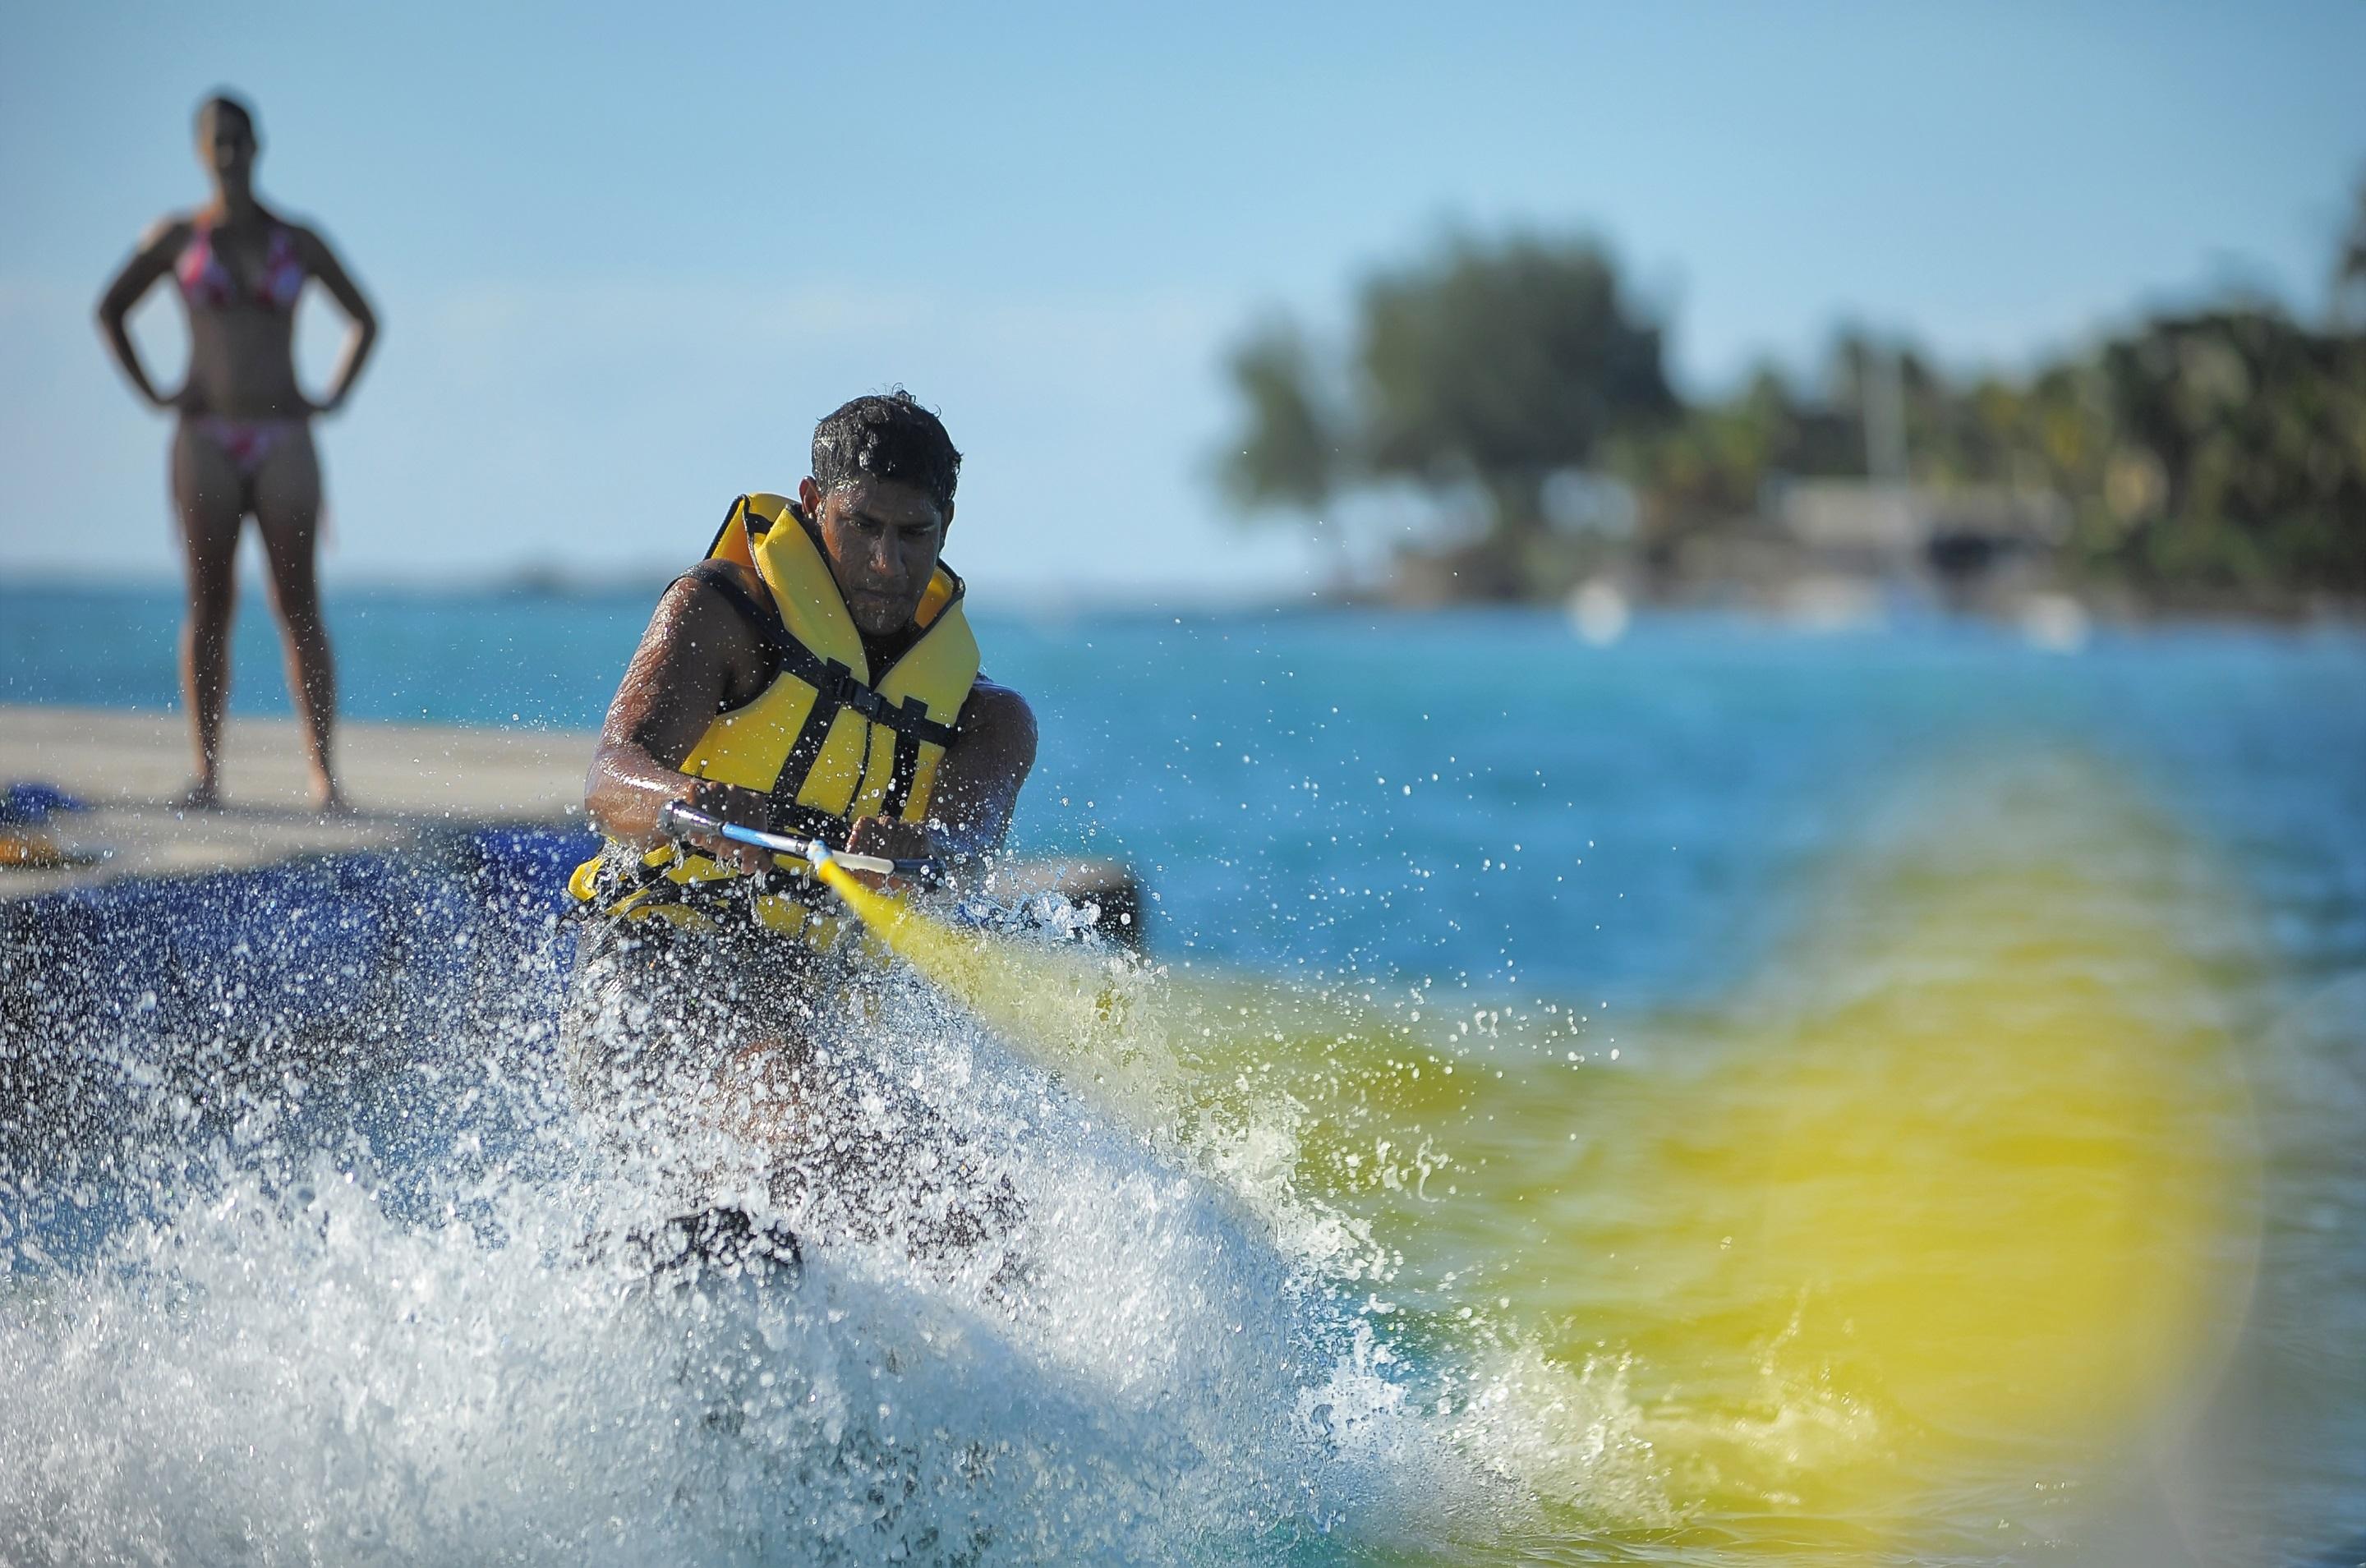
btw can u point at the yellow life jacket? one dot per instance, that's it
(825, 741)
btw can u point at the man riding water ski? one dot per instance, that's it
(815, 675)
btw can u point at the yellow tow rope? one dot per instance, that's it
(1067, 1008)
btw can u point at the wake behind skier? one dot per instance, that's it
(816, 675)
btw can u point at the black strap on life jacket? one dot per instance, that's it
(757, 526)
(760, 618)
(806, 748)
(834, 681)
(900, 778)
(835, 687)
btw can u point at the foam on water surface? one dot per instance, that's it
(297, 1353)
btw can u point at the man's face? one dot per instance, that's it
(881, 537)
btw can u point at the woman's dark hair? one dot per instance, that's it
(227, 103)
(886, 436)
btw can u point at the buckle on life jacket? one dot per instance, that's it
(839, 688)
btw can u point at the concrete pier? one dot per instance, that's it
(405, 781)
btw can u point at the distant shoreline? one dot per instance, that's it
(2113, 606)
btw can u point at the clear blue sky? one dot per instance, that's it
(627, 255)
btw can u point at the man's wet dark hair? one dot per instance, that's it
(216, 104)
(886, 436)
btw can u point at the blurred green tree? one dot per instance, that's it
(1290, 455)
(1500, 365)
(2252, 429)
(2218, 453)
(2350, 266)
(1490, 366)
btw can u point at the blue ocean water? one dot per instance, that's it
(1469, 817)
(1475, 795)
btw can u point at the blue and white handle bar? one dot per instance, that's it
(676, 821)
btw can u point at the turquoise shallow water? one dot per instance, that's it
(1700, 842)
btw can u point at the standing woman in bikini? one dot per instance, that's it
(245, 443)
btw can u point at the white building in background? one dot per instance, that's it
(1904, 534)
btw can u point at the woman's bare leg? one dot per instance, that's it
(209, 493)
(287, 513)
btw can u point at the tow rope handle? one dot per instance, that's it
(676, 820)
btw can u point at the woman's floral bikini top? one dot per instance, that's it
(205, 281)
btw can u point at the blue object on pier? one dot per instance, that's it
(29, 802)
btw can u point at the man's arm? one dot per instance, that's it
(976, 788)
(698, 657)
